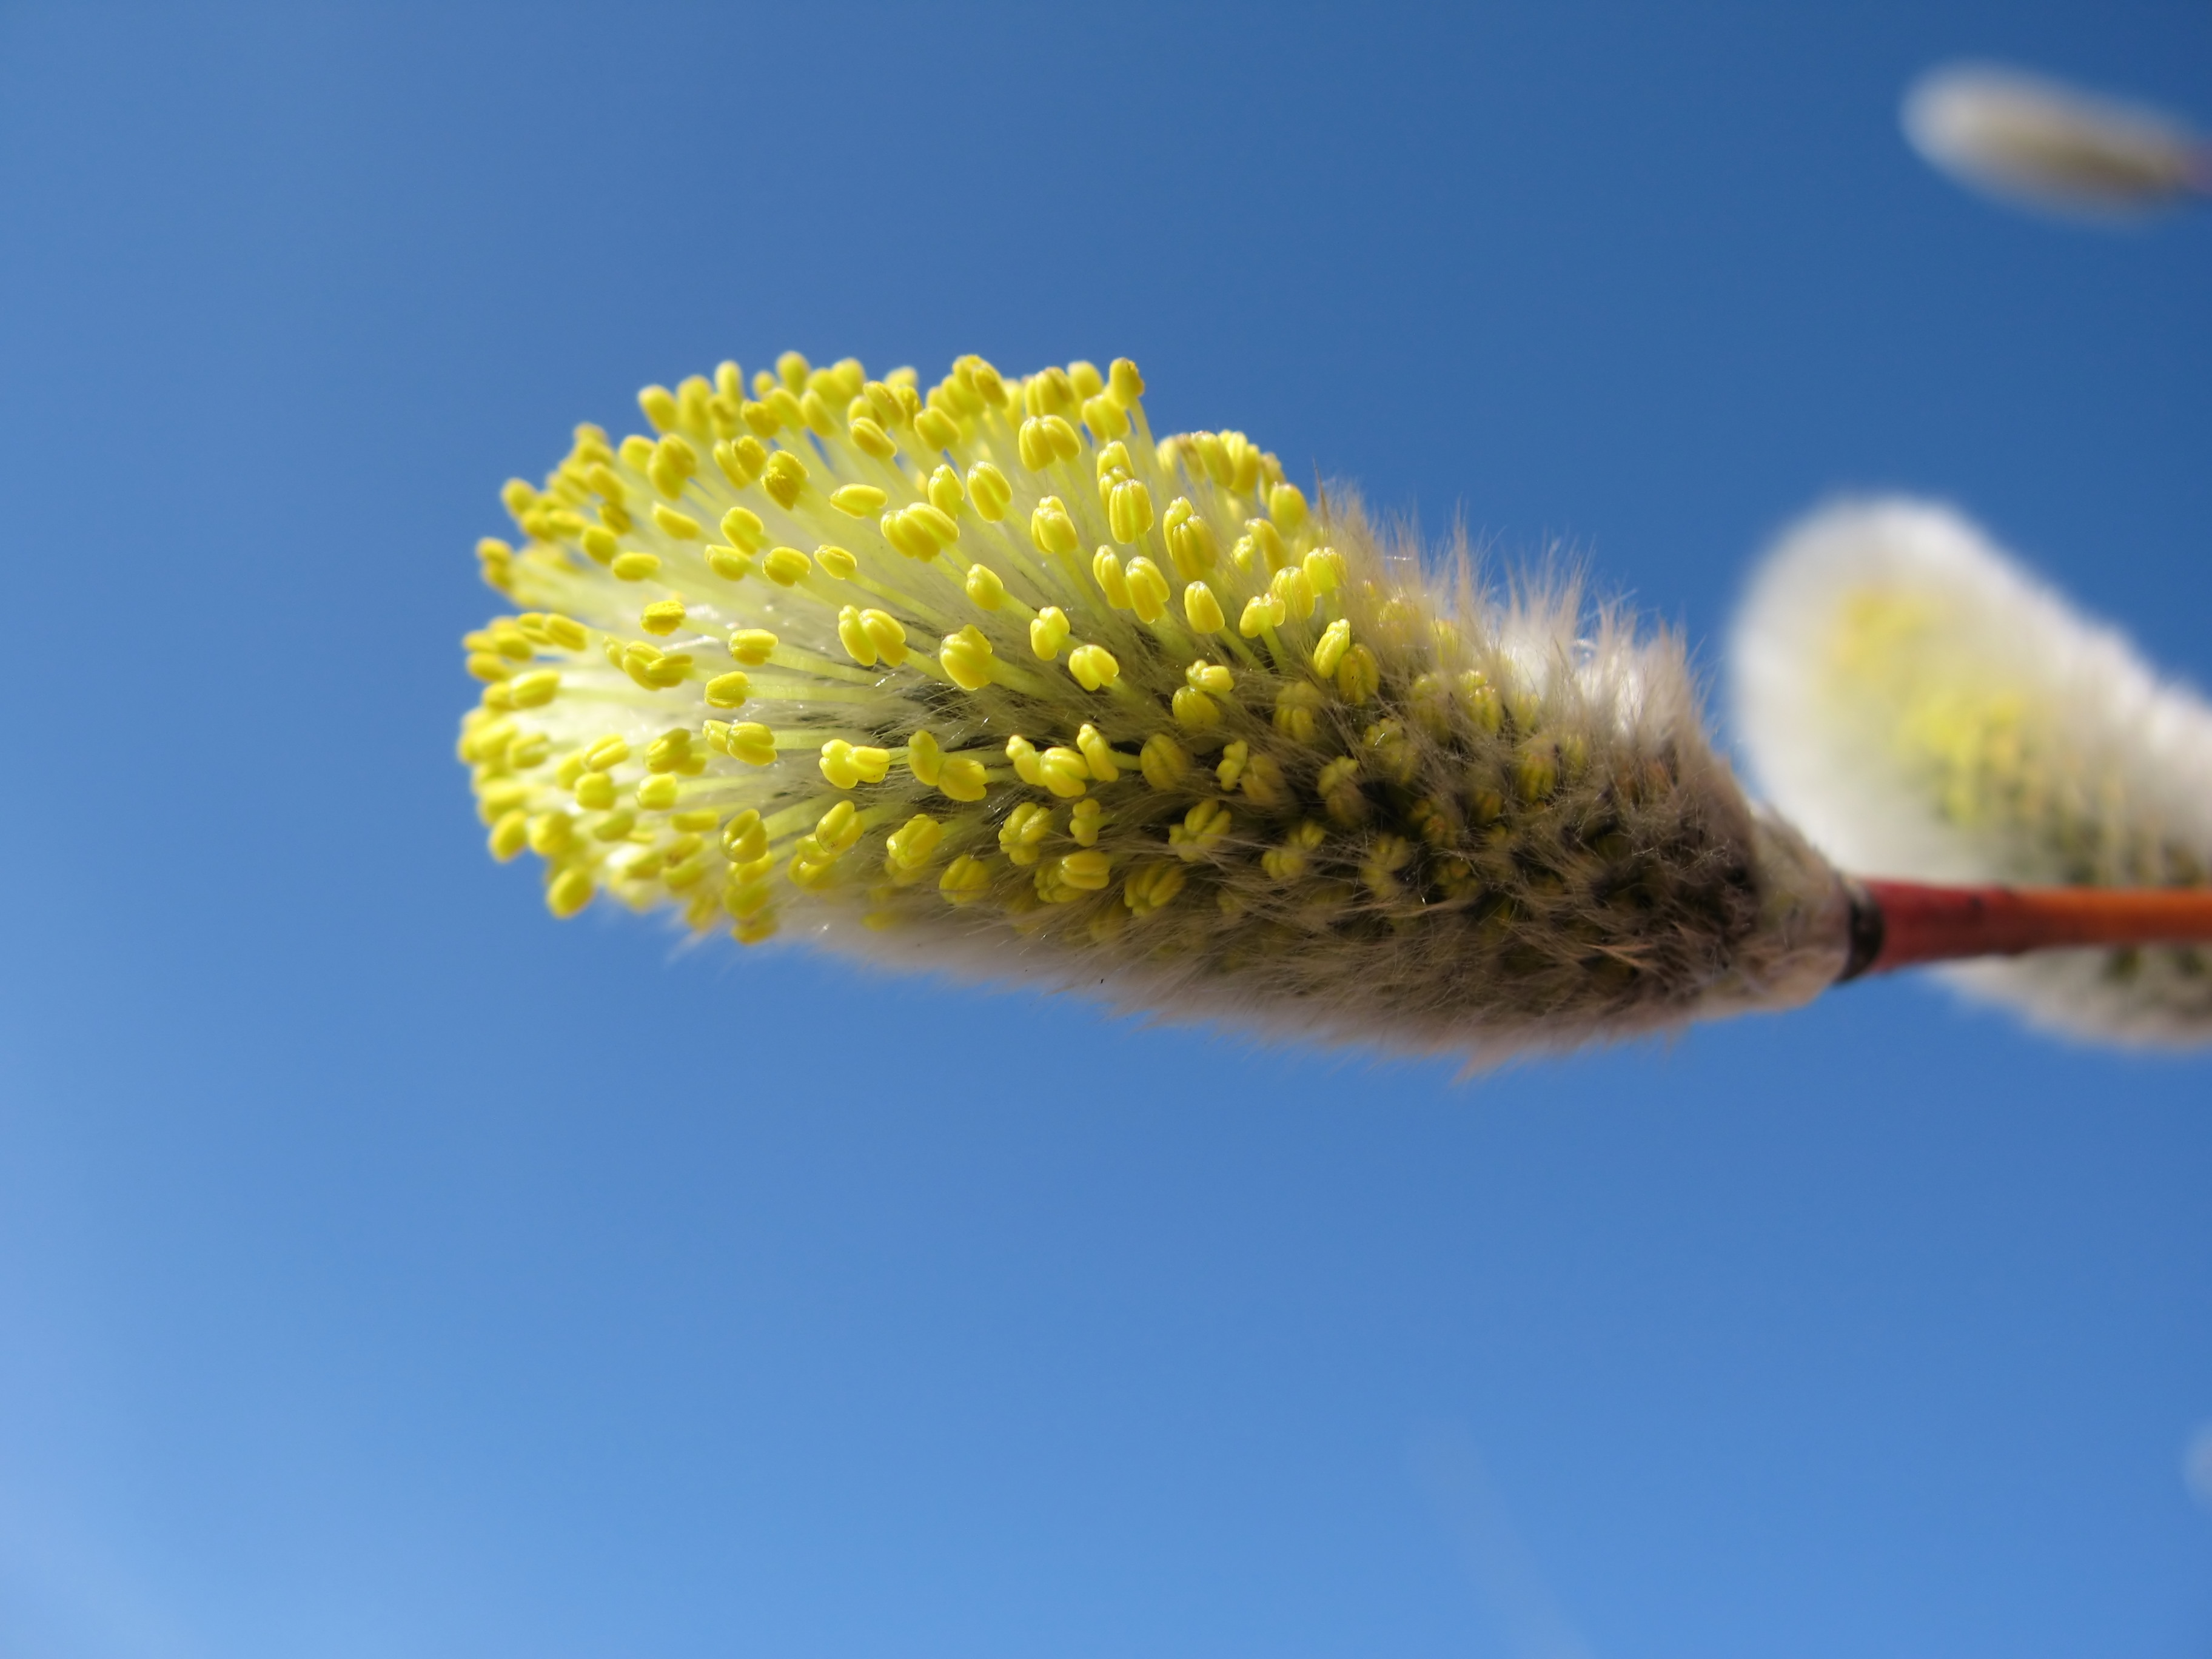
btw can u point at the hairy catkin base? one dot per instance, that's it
(1300, 787)
(1926, 711)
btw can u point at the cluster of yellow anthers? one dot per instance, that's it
(990, 658)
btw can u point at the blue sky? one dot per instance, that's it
(386, 1269)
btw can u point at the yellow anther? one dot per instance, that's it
(887, 634)
(534, 689)
(1536, 771)
(924, 757)
(570, 768)
(1262, 612)
(751, 743)
(1152, 888)
(1088, 870)
(567, 633)
(940, 525)
(488, 665)
(1112, 460)
(784, 478)
(552, 834)
(1387, 856)
(1106, 418)
(1211, 456)
(659, 404)
(1263, 783)
(1268, 541)
(846, 765)
(1429, 702)
(636, 453)
(858, 500)
(966, 657)
(814, 411)
(1338, 785)
(1202, 609)
(1084, 821)
(984, 588)
(1287, 506)
(965, 880)
(1097, 754)
(945, 494)
(743, 838)
(634, 566)
(1085, 380)
(785, 566)
(1481, 699)
(1026, 826)
(698, 818)
(1329, 651)
(1201, 830)
(1148, 590)
(728, 692)
(989, 492)
(599, 543)
(1024, 755)
(510, 835)
(658, 794)
(744, 530)
(1324, 569)
(936, 428)
(963, 778)
(792, 370)
(1163, 761)
(595, 791)
(665, 616)
(741, 460)
(568, 891)
(1042, 393)
(1293, 592)
(1194, 710)
(838, 829)
(870, 437)
(1123, 384)
(1233, 760)
(1044, 440)
(673, 463)
(910, 847)
(1295, 856)
(784, 404)
(729, 380)
(1210, 677)
(837, 563)
(679, 526)
(1051, 529)
(1298, 710)
(1129, 510)
(606, 754)
(1093, 666)
(496, 796)
(854, 638)
(752, 647)
(530, 751)
(1359, 677)
(1106, 570)
(909, 539)
(1048, 631)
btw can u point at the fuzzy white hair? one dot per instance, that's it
(1926, 710)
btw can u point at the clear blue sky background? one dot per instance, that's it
(385, 1269)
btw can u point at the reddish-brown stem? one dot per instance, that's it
(1904, 922)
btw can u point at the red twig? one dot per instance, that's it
(1943, 924)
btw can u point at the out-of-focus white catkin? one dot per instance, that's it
(2034, 140)
(986, 680)
(1925, 710)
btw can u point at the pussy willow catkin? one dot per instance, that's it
(1924, 709)
(986, 680)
